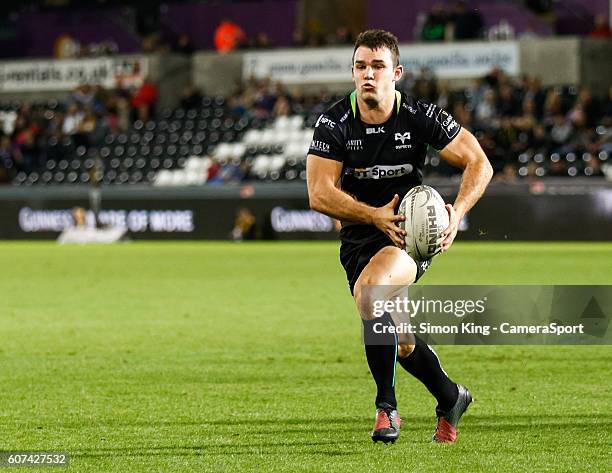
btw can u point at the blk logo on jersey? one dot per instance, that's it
(380, 172)
(403, 137)
(375, 130)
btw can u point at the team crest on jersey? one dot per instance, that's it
(403, 137)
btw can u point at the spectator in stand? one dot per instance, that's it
(66, 47)
(263, 100)
(531, 88)
(434, 28)
(527, 120)
(184, 45)
(462, 114)
(589, 107)
(144, 100)
(191, 97)
(72, 120)
(117, 112)
(507, 175)
(261, 41)
(29, 155)
(298, 39)
(83, 96)
(601, 29)
(341, 36)
(466, 23)
(561, 131)
(7, 158)
(507, 103)
(229, 36)
(502, 31)
(237, 106)
(553, 105)
(90, 132)
(426, 85)
(154, 43)
(282, 107)
(486, 110)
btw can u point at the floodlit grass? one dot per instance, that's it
(247, 357)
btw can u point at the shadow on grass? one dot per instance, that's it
(265, 426)
(240, 447)
(546, 421)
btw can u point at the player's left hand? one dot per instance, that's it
(449, 234)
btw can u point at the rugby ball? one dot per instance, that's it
(426, 219)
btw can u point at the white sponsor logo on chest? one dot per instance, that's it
(380, 171)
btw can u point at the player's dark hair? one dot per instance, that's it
(376, 39)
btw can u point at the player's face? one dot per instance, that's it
(375, 74)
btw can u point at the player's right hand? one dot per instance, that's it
(386, 220)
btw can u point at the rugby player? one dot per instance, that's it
(367, 151)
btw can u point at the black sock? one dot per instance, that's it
(424, 365)
(381, 353)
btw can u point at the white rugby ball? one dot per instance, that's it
(426, 219)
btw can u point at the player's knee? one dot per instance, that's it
(404, 349)
(364, 294)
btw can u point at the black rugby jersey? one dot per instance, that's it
(384, 159)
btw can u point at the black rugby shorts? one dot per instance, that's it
(359, 244)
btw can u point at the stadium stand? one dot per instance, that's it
(262, 134)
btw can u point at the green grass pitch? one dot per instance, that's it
(158, 357)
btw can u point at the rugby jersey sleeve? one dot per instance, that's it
(327, 140)
(438, 127)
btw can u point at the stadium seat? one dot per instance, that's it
(58, 177)
(136, 177)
